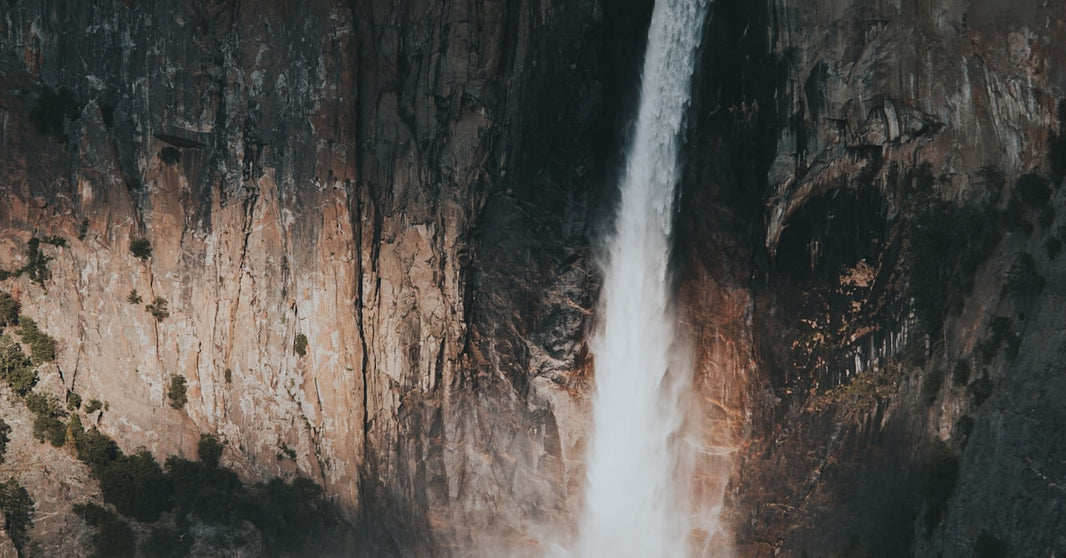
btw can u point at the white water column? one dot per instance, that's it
(638, 481)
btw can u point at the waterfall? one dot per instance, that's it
(636, 497)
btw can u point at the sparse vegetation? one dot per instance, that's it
(73, 401)
(176, 391)
(134, 297)
(228, 375)
(93, 405)
(18, 510)
(299, 345)
(15, 367)
(9, 309)
(48, 422)
(5, 432)
(141, 248)
(36, 267)
(83, 228)
(114, 538)
(158, 309)
(42, 345)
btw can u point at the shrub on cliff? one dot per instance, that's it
(5, 432)
(42, 345)
(18, 510)
(141, 248)
(176, 391)
(299, 345)
(9, 309)
(164, 542)
(158, 309)
(47, 421)
(15, 366)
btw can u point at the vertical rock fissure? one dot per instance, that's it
(638, 472)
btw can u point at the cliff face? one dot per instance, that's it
(885, 408)
(418, 189)
(409, 186)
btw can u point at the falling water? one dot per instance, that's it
(636, 495)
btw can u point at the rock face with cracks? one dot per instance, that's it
(374, 225)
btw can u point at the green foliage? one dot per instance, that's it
(158, 309)
(960, 374)
(141, 248)
(5, 432)
(170, 155)
(36, 263)
(938, 482)
(291, 517)
(946, 245)
(73, 401)
(209, 449)
(93, 405)
(212, 494)
(931, 385)
(114, 538)
(134, 297)
(47, 423)
(988, 545)
(299, 345)
(94, 448)
(83, 229)
(15, 366)
(164, 542)
(52, 110)
(176, 391)
(9, 309)
(228, 375)
(18, 510)
(136, 486)
(42, 345)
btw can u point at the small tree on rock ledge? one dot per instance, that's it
(176, 391)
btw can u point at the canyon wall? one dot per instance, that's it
(417, 189)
